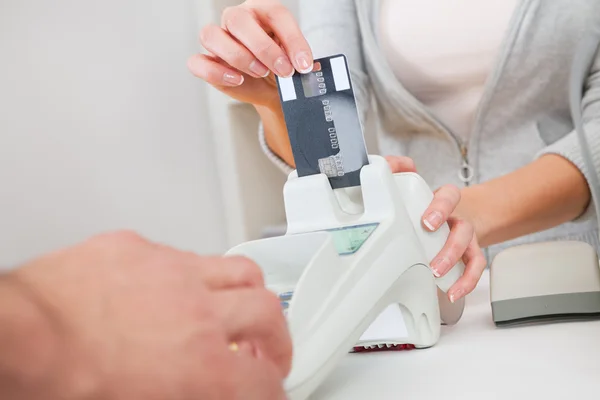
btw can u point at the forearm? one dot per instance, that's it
(276, 134)
(546, 193)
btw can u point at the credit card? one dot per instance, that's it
(323, 123)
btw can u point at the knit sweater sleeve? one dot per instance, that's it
(331, 27)
(569, 146)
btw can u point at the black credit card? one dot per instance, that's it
(323, 122)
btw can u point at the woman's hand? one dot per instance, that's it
(256, 40)
(462, 242)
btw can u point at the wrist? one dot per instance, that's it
(539, 196)
(36, 359)
(472, 207)
(275, 131)
(28, 345)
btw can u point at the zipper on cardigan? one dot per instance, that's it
(466, 171)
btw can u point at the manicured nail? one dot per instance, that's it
(233, 79)
(259, 69)
(456, 295)
(283, 67)
(303, 63)
(433, 220)
(438, 265)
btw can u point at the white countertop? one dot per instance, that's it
(476, 360)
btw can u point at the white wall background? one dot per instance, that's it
(102, 127)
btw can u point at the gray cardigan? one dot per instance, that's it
(524, 112)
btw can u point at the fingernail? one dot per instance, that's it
(433, 220)
(233, 79)
(456, 295)
(440, 265)
(303, 63)
(259, 69)
(283, 67)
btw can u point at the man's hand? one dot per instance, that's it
(129, 319)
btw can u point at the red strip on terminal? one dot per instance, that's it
(394, 347)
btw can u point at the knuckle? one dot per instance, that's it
(211, 324)
(467, 284)
(455, 252)
(120, 237)
(482, 261)
(251, 271)
(453, 192)
(266, 50)
(456, 192)
(446, 204)
(469, 231)
(127, 236)
(207, 34)
(475, 270)
(458, 224)
(483, 267)
(196, 66)
(232, 15)
(205, 71)
(468, 288)
(276, 12)
(212, 76)
(191, 64)
(464, 228)
(452, 188)
(295, 40)
(240, 59)
(472, 282)
(271, 305)
(212, 320)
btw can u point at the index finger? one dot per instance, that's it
(220, 273)
(401, 164)
(216, 273)
(243, 26)
(286, 28)
(475, 264)
(444, 202)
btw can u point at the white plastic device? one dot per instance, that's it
(554, 281)
(341, 285)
